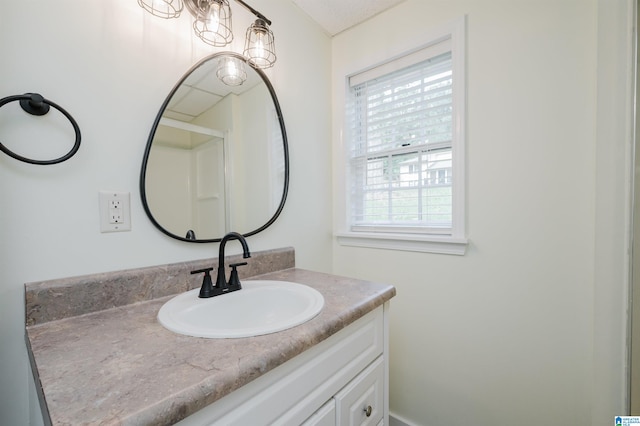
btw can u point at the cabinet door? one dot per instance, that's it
(361, 402)
(325, 416)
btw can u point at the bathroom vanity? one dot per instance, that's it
(100, 356)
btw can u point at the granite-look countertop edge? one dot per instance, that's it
(121, 367)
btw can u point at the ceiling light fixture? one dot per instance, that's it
(162, 8)
(212, 24)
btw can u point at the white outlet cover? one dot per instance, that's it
(105, 199)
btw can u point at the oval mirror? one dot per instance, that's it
(217, 157)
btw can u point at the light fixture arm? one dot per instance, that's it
(255, 12)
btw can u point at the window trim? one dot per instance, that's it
(432, 243)
(456, 242)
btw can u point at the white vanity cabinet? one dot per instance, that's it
(343, 380)
(361, 402)
(325, 416)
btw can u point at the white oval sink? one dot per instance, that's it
(261, 307)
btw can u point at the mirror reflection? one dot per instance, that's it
(216, 160)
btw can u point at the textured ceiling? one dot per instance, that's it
(337, 15)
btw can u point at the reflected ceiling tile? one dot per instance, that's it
(196, 102)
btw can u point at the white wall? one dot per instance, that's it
(111, 65)
(528, 327)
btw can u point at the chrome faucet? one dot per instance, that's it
(222, 286)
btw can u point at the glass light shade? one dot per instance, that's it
(231, 71)
(162, 8)
(259, 46)
(213, 23)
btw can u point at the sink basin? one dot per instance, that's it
(261, 307)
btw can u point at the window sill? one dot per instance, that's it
(405, 242)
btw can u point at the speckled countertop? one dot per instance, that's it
(119, 366)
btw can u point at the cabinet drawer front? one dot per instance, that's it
(325, 416)
(361, 402)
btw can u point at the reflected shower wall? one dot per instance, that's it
(188, 186)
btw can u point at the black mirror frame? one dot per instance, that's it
(147, 151)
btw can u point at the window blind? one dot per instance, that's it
(401, 131)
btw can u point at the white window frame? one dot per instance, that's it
(454, 242)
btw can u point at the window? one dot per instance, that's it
(405, 134)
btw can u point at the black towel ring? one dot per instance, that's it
(35, 104)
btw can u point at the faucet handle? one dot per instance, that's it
(207, 289)
(199, 271)
(234, 280)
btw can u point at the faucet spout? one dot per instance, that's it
(221, 281)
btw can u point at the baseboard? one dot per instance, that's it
(396, 420)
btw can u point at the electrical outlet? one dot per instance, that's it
(115, 212)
